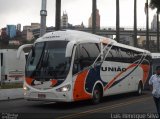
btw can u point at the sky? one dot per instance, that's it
(27, 11)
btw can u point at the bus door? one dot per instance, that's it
(83, 72)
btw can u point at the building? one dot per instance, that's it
(18, 27)
(14, 42)
(64, 20)
(128, 40)
(79, 27)
(28, 35)
(141, 41)
(32, 26)
(11, 31)
(154, 23)
(152, 42)
(27, 31)
(35, 25)
(97, 20)
(4, 32)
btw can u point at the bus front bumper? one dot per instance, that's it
(48, 96)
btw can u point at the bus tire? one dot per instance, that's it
(97, 95)
(140, 88)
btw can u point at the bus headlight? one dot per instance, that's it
(25, 88)
(64, 88)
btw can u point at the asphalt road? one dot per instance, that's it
(114, 107)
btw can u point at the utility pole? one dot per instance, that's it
(117, 20)
(147, 26)
(94, 9)
(135, 23)
(58, 15)
(43, 14)
(157, 31)
(0, 69)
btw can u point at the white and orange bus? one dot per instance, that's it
(68, 65)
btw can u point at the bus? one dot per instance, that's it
(69, 65)
(155, 61)
(12, 70)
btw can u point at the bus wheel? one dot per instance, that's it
(96, 95)
(140, 89)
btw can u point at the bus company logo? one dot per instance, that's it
(114, 69)
(51, 37)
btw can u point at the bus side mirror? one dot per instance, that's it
(21, 48)
(69, 48)
(98, 63)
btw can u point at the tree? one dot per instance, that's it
(156, 4)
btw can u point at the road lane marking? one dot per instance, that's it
(83, 113)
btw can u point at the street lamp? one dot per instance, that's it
(147, 25)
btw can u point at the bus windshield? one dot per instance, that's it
(47, 61)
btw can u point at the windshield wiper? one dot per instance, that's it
(38, 66)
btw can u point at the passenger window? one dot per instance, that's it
(126, 56)
(85, 56)
(138, 55)
(114, 55)
(109, 56)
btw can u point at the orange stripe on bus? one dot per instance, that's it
(29, 80)
(54, 82)
(79, 92)
(146, 69)
(113, 80)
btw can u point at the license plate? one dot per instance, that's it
(42, 96)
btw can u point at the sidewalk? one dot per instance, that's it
(7, 94)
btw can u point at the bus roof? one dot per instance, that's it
(82, 37)
(72, 35)
(132, 48)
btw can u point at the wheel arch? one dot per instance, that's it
(100, 85)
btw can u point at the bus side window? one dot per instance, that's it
(85, 56)
(89, 52)
(82, 59)
(113, 55)
(116, 55)
(138, 55)
(109, 56)
(76, 61)
(125, 55)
